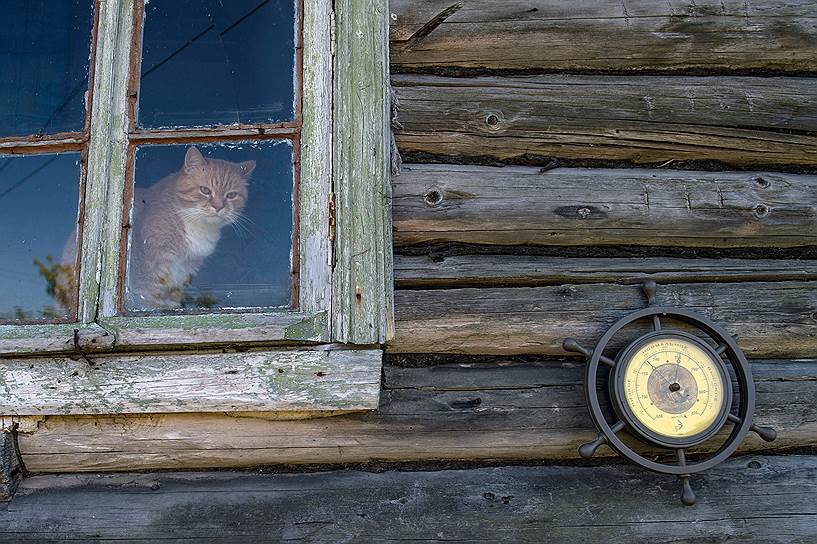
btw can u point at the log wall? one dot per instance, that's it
(555, 155)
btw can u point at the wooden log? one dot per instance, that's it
(754, 499)
(469, 410)
(476, 270)
(644, 119)
(204, 382)
(771, 319)
(572, 206)
(603, 35)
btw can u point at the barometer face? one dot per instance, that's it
(672, 388)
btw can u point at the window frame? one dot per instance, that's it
(344, 218)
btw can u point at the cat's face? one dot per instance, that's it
(213, 190)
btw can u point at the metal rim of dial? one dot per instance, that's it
(634, 423)
(736, 357)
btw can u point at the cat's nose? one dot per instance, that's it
(217, 205)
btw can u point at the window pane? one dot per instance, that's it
(213, 62)
(211, 227)
(44, 61)
(39, 196)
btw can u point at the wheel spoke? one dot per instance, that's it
(587, 450)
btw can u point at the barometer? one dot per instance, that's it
(670, 389)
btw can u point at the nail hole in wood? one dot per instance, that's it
(761, 210)
(754, 464)
(492, 120)
(762, 182)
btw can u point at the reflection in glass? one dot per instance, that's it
(39, 197)
(211, 227)
(214, 62)
(44, 62)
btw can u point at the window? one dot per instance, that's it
(194, 175)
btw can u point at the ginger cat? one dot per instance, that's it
(177, 224)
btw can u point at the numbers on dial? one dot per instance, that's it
(673, 387)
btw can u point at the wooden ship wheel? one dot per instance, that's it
(670, 389)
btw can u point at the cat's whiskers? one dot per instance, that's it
(241, 225)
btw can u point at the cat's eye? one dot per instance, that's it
(231, 195)
(204, 190)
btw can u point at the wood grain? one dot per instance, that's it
(750, 499)
(362, 304)
(315, 290)
(190, 330)
(775, 319)
(101, 224)
(203, 382)
(60, 338)
(494, 270)
(642, 119)
(573, 206)
(606, 35)
(503, 409)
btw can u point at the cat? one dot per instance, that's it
(177, 224)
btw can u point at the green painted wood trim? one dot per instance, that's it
(115, 143)
(181, 330)
(106, 162)
(342, 380)
(316, 158)
(362, 301)
(62, 337)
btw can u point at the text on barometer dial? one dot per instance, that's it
(673, 387)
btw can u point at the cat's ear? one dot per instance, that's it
(193, 159)
(247, 167)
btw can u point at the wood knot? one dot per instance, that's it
(465, 404)
(493, 121)
(761, 210)
(433, 197)
(761, 182)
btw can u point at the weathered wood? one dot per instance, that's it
(11, 472)
(750, 499)
(315, 290)
(362, 295)
(107, 156)
(231, 329)
(643, 119)
(771, 319)
(66, 337)
(606, 35)
(430, 271)
(472, 410)
(571, 206)
(204, 382)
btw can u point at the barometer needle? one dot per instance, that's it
(655, 369)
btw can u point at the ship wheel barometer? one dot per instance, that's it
(670, 389)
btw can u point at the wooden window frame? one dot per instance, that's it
(343, 235)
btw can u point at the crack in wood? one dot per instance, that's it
(424, 31)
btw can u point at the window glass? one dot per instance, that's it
(44, 65)
(211, 227)
(215, 62)
(39, 196)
